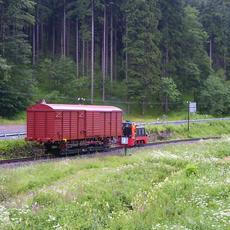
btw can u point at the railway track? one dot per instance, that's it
(112, 151)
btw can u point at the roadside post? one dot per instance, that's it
(124, 141)
(192, 108)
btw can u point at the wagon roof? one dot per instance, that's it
(73, 107)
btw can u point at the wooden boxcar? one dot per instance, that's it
(59, 122)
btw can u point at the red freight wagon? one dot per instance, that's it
(55, 124)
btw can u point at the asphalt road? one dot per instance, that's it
(19, 131)
(181, 122)
(12, 131)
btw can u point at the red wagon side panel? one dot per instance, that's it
(58, 126)
(107, 132)
(74, 132)
(82, 125)
(66, 125)
(119, 124)
(40, 125)
(30, 126)
(53, 122)
(94, 124)
(98, 122)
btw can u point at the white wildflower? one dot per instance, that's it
(4, 216)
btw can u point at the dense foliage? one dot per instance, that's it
(150, 52)
(215, 95)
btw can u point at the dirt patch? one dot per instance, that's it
(227, 158)
(163, 135)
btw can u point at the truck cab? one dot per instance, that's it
(136, 134)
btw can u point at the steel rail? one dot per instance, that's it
(104, 153)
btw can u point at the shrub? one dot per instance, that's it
(16, 148)
(215, 97)
(191, 169)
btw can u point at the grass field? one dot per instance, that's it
(209, 129)
(172, 116)
(175, 187)
(17, 120)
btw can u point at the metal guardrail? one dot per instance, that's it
(7, 135)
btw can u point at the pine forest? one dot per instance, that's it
(141, 55)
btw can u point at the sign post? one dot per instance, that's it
(188, 116)
(191, 109)
(124, 141)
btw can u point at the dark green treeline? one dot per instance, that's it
(151, 52)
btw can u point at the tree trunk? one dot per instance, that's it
(166, 105)
(37, 31)
(77, 47)
(106, 48)
(64, 30)
(111, 48)
(104, 56)
(166, 62)
(126, 52)
(61, 43)
(34, 47)
(143, 107)
(115, 56)
(68, 22)
(92, 55)
(83, 57)
(53, 38)
(42, 38)
(210, 52)
(165, 73)
(3, 34)
(87, 58)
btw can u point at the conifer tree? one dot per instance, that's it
(142, 47)
(15, 49)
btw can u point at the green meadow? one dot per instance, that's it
(172, 187)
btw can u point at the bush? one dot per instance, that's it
(191, 169)
(16, 149)
(215, 95)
